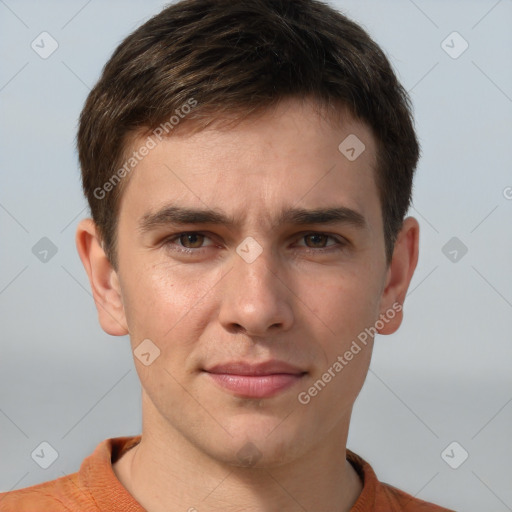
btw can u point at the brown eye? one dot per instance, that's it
(316, 239)
(192, 240)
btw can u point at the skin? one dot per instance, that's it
(303, 300)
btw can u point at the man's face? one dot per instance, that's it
(276, 285)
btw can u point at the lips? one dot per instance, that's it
(255, 380)
(251, 369)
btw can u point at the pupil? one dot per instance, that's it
(316, 238)
(191, 239)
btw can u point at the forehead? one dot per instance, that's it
(291, 156)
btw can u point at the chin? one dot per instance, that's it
(261, 442)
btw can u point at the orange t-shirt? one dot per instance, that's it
(95, 487)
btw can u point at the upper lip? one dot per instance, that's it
(248, 368)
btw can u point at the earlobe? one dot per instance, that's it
(103, 279)
(399, 275)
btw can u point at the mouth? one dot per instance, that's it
(255, 380)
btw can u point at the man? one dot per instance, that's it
(248, 165)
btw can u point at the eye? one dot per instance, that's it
(188, 242)
(191, 240)
(317, 240)
(320, 241)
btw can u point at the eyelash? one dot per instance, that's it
(169, 243)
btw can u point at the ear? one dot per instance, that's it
(103, 278)
(399, 275)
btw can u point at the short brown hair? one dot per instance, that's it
(234, 58)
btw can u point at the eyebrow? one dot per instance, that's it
(178, 215)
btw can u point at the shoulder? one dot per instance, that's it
(93, 488)
(377, 496)
(391, 498)
(58, 495)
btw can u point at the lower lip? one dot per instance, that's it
(256, 386)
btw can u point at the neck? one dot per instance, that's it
(164, 472)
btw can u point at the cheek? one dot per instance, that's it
(162, 298)
(332, 392)
(150, 299)
(350, 306)
(346, 305)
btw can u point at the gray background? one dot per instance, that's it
(444, 377)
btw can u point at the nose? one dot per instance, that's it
(256, 299)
